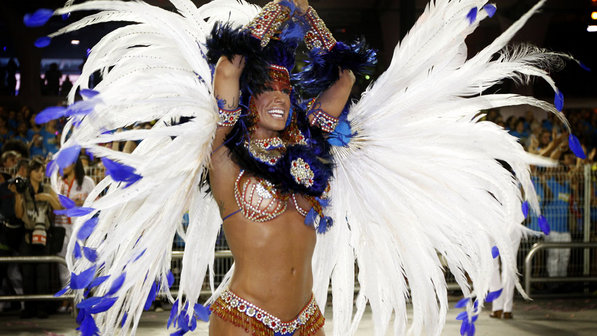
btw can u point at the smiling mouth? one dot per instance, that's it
(276, 113)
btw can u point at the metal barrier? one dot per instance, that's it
(35, 297)
(543, 245)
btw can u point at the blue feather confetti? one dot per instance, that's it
(472, 15)
(576, 147)
(120, 172)
(66, 202)
(490, 10)
(462, 303)
(495, 252)
(87, 228)
(68, 156)
(543, 224)
(493, 295)
(558, 101)
(50, 113)
(525, 208)
(116, 284)
(42, 42)
(38, 18)
(90, 254)
(77, 251)
(83, 279)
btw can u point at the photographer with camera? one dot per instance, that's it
(34, 202)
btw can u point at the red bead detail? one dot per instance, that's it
(241, 307)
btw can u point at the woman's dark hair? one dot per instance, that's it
(79, 172)
(34, 164)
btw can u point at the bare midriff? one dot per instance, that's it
(272, 262)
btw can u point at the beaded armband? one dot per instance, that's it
(318, 36)
(228, 118)
(268, 22)
(326, 122)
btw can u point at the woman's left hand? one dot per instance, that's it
(302, 5)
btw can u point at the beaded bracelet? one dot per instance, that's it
(228, 118)
(319, 36)
(326, 122)
(268, 22)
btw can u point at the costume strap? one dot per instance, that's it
(268, 22)
(228, 118)
(326, 122)
(318, 36)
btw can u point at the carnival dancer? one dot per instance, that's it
(242, 138)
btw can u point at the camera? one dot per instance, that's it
(20, 183)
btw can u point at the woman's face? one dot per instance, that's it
(37, 175)
(273, 109)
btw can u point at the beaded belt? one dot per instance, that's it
(229, 305)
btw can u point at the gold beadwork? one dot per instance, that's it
(319, 36)
(302, 173)
(268, 22)
(228, 118)
(267, 151)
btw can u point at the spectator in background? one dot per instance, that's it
(12, 120)
(34, 128)
(519, 131)
(21, 134)
(8, 161)
(37, 147)
(76, 186)
(51, 137)
(66, 86)
(52, 80)
(5, 132)
(34, 207)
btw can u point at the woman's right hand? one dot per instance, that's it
(231, 68)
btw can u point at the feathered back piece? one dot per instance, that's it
(152, 70)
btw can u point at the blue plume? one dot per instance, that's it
(120, 172)
(124, 316)
(341, 135)
(170, 278)
(493, 295)
(324, 224)
(77, 251)
(62, 291)
(116, 284)
(42, 42)
(151, 296)
(202, 312)
(490, 9)
(472, 15)
(80, 316)
(90, 254)
(74, 212)
(66, 202)
(50, 167)
(65, 16)
(87, 228)
(311, 216)
(88, 326)
(50, 113)
(495, 252)
(38, 18)
(87, 93)
(97, 281)
(462, 316)
(525, 209)
(558, 101)
(82, 107)
(173, 314)
(68, 156)
(543, 224)
(584, 66)
(575, 147)
(140, 255)
(89, 302)
(464, 326)
(83, 279)
(470, 330)
(103, 305)
(462, 302)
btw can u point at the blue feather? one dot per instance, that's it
(170, 278)
(87, 93)
(525, 209)
(584, 66)
(140, 255)
(50, 113)
(74, 212)
(543, 224)
(68, 156)
(124, 316)
(116, 284)
(576, 147)
(90, 254)
(341, 135)
(88, 326)
(83, 279)
(65, 16)
(462, 302)
(311, 216)
(464, 326)
(80, 316)
(324, 225)
(105, 304)
(50, 167)
(495, 252)
(471, 330)
(558, 101)
(97, 281)
(173, 314)
(62, 291)
(490, 9)
(151, 296)
(66, 202)
(42, 42)
(89, 302)
(462, 316)
(87, 228)
(472, 15)
(82, 107)
(493, 295)
(120, 172)
(77, 251)
(38, 18)
(202, 312)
